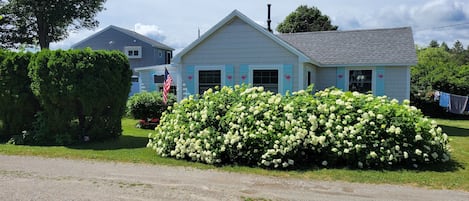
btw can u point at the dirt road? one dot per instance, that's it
(34, 178)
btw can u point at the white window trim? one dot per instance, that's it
(278, 67)
(136, 76)
(373, 77)
(203, 68)
(133, 48)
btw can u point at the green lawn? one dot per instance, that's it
(130, 147)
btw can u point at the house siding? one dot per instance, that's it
(102, 41)
(146, 79)
(326, 78)
(238, 44)
(313, 69)
(396, 81)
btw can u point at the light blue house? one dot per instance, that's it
(141, 50)
(238, 50)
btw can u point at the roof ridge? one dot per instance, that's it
(143, 37)
(346, 31)
(131, 33)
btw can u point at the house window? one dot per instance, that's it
(266, 78)
(309, 78)
(133, 52)
(168, 58)
(158, 78)
(360, 81)
(134, 78)
(172, 89)
(209, 79)
(160, 53)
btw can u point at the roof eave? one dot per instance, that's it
(138, 69)
(164, 48)
(367, 65)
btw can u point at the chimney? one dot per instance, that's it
(268, 18)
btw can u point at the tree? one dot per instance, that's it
(458, 53)
(444, 46)
(45, 21)
(305, 19)
(434, 44)
(458, 48)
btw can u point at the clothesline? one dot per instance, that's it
(453, 103)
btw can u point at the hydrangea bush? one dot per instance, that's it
(250, 126)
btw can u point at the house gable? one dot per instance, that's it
(238, 43)
(150, 52)
(231, 27)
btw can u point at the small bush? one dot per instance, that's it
(148, 105)
(250, 126)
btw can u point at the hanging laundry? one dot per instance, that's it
(457, 104)
(467, 106)
(436, 96)
(444, 99)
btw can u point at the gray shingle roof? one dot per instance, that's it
(141, 37)
(394, 46)
(133, 34)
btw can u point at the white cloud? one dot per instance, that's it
(154, 32)
(439, 12)
(151, 31)
(430, 20)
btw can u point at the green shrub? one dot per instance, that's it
(148, 105)
(253, 127)
(82, 92)
(17, 102)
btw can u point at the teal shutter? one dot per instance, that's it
(379, 81)
(189, 80)
(152, 84)
(229, 75)
(340, 78)
(287, 78)
(244, 74)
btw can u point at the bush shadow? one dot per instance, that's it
(455, 131)
(450, 166)
(121, 142)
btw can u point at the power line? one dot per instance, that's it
(442, 27)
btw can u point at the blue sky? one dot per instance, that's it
(176, 22)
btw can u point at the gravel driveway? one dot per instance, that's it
(35, 178)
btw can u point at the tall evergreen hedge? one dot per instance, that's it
(83, 94)
(62, 97)
(17, 102)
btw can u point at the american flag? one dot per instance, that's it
(167, 85)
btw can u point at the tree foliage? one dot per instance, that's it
(439, 68)
(306, 19)
(45, 21)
